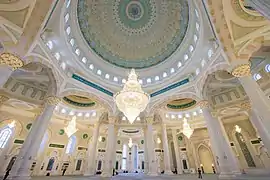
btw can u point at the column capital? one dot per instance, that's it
(149, 120)
(11, 60)
(112, 119)
(241, 70)
(246, 106)
(204, 104)
(3, 99)
(52, 100)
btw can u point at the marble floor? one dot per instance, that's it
(141, 176)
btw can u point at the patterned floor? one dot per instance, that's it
(141, 176)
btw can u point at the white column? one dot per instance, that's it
(177, 154)
(259, 102)
(258, 125)
(219, 145)
(133, 154)
(114, 148)
(21, 167)
(92, 151)
(167, 164)
(262, 6)
(151, 149)
(107, 171)
(145, 153)
(5, 72)
(8, 63)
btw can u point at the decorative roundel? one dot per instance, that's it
(133, 33)
(103, 139)
(142, 141)
(85, 136)
(61, 132)
(180, 138)
(118, 142)
(28, 126)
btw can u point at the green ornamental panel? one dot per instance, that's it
(61, 132)
(28, 126)
(85, 136)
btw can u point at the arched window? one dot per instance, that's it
(257, 76)
(5, 134)
(71, 145)
(267, 68)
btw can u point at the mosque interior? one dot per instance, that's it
(95, 88)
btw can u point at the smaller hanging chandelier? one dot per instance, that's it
(71, 127)
(130, 144)
(131, 100)
(158, 140)
(187, 131)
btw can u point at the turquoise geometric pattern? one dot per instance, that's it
(133, 33)
(101, 89)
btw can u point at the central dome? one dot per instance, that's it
(133, 33)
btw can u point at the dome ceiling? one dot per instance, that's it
(181, 104)
(133, 33)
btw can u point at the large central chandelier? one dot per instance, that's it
(131, 100)
(187, 131)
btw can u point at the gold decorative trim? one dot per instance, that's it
(241, 70)
(52, 100)
(112, 119)
(3, 99)
(11, 60)
(150, 120)
(204, 104)
(246, 105)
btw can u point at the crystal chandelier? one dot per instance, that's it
(71, 128)
(187, 131)
(130, 144)
(131, 100)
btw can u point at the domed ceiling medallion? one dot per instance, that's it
(182, 104)
(133, 33)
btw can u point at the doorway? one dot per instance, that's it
(206, 159)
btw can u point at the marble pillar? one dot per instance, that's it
(8, 63)
(177, 153)
(145, 153)
(262, 6)
(255, 119)
(152, 171)
(167, 164)
(219, 145)
(29, 150)
(107, 171)
(92, 152)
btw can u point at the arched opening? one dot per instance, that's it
(99, 165)
(50, 164)
(206, 159)
(11, 162)
(245, 150)
(116, 165)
